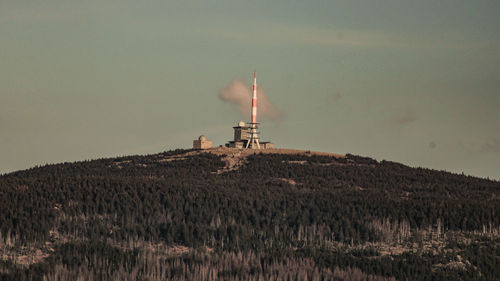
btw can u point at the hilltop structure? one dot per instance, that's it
(202, 143)
(247, 136)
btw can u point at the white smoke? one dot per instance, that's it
(239, 94)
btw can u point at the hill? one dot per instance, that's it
(228, 214)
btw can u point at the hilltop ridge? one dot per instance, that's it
(235, 157)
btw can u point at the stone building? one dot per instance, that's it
(202, 143)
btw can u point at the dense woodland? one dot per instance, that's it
(278, 217)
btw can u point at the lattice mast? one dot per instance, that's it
(253, 142)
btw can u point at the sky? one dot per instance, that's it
(416, 82)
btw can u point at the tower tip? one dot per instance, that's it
(255, 74)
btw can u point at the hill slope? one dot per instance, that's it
(226, 214)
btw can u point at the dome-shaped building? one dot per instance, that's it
(202, 143)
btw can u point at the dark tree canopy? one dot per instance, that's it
(330, 213)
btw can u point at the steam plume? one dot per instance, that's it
(239, 94)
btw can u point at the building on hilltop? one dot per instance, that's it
(242, 138)
(247, 136)
(202, 143)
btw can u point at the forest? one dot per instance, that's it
(179, 215)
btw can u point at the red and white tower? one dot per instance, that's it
(254, 98)
(253, 142)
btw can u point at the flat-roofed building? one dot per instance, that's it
(242, 137)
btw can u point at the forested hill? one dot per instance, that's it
(229, 215)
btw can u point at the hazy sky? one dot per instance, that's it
(416, 82)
